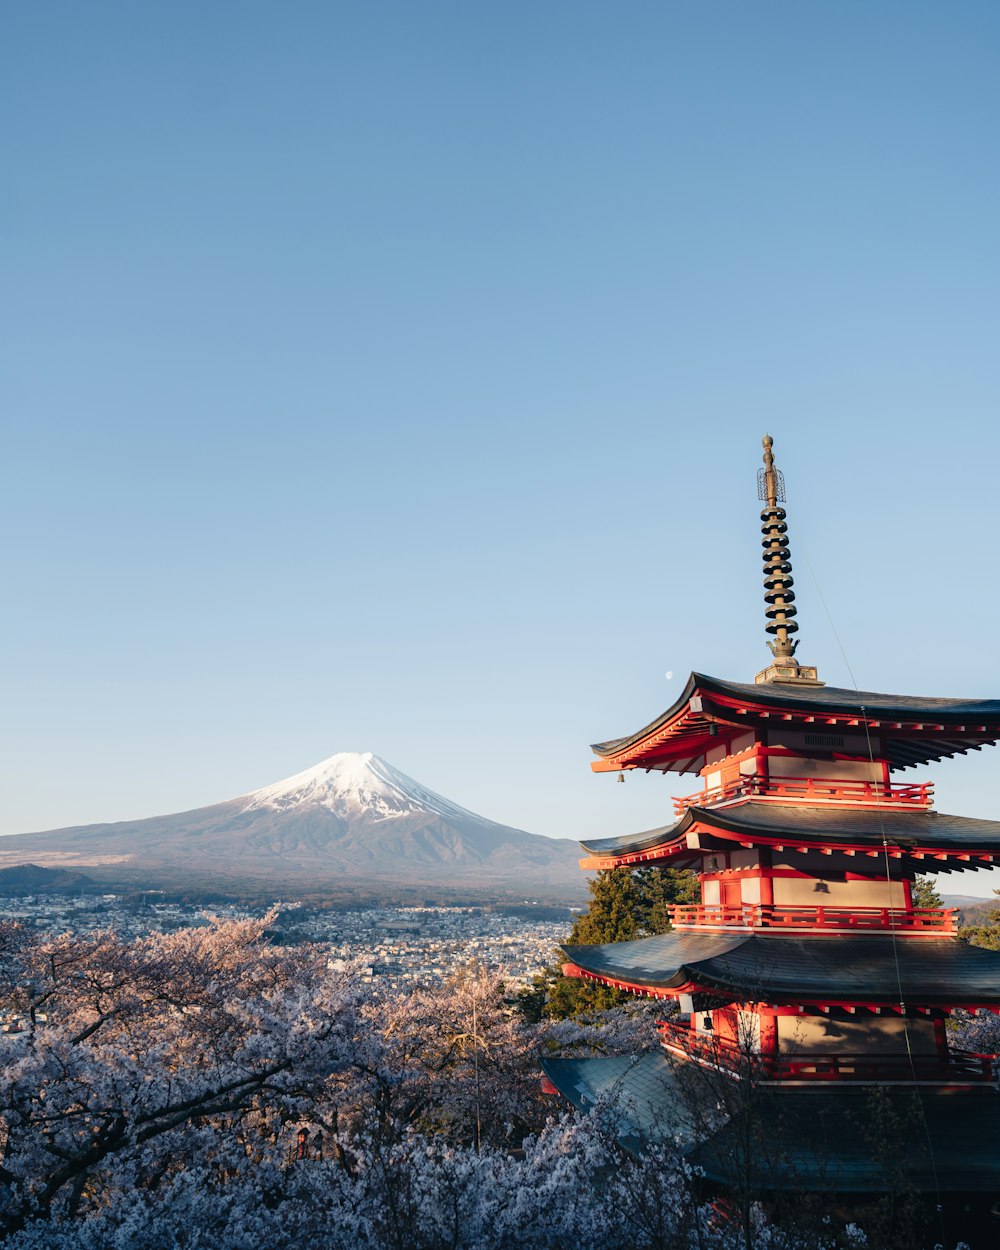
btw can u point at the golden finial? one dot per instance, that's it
(772, 476)
(778, 582)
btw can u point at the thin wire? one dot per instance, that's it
(888, 877)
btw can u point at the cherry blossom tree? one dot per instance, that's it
(470, 1060)
(208, 1091)
(146, 1042)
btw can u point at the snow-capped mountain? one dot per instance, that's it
(351, 818)
(351, 782)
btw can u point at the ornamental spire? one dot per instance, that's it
(778, 594)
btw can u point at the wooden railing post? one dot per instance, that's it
(756, 785)
(762, 915)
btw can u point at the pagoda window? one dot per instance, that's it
(833, 891)
(829, 770)
(883, 1035)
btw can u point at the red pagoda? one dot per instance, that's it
(806, 969)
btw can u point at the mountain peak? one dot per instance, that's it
(351, 817)
(353, 781)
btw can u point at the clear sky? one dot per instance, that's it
(391, 376)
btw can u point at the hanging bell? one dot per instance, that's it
(621, 779)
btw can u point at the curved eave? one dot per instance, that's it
(930, 839)
(651, 845)
(615, 746)
(884, 1002)
(912, 730)
(783, 970)
(669, 962)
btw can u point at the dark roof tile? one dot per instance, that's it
(834, 822)
(786, 968)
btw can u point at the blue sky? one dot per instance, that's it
(392, 377)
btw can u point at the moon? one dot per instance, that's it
(669, 675)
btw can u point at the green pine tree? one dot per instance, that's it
(625, 903)
(659, 890)
(986, 930)
(611, 916)
(925, 894)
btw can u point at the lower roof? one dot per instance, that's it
(649, 1103)
(791, 969)
(810, 1139)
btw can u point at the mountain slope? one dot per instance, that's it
(352, 817)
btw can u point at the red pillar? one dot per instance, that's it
(768, 1034)
(766, 880)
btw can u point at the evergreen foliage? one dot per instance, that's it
(625, 903)
(925, 893)
(659, 889)
(207, 1090)
(611, 916)
(986, 932)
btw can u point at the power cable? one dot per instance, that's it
(888, 876)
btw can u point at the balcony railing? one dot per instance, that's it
(907, 920)
(918, 794)
(957, 1067)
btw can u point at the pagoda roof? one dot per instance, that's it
(634, 843)
(816, 1138)
(912, 729)
(821, 1141)
(644, 1088)
(802, 827)
(782, 968)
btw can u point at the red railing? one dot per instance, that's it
(910, 920)
(956, 1067)
(810, 790)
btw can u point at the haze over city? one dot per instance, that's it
(393, 380)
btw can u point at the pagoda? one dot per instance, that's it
(806, 971)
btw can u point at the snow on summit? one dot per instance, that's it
(353, 781)
(352, 817)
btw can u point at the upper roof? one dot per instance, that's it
(778, 968)
(833, 825)
(910, 729)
